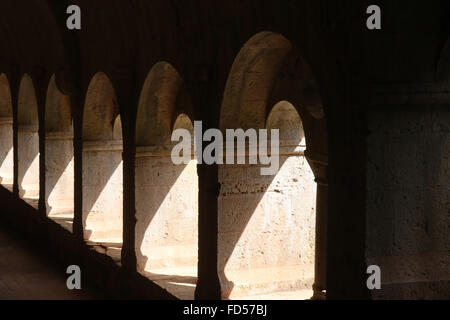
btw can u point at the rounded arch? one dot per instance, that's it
(249, 84)
(297, 83)
(100, 109)
(166, 193)
(117, 128)
(285, 117)
(183, 121)
(5, 97)
(59, 156)
(269, 69)
(163, 96)
(58, 114)
(270, 86)
(102, 164)
(27, 113)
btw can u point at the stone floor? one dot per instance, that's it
(271, 283)
(64, 219)
(181, 282)
(27, 275)
(301, 294)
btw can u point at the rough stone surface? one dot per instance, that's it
(167, 213)
(266, 228)
(102, 195)
(409, 196)
(28, 163)
(59, 169)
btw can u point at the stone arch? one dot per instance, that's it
(59, 157)
(117, 129)
(100, 109)
(166, 230)
(251, 79)
(58, 112)
(248, 261)
(285, 117)
(6, 134)
(28, 141)
(102, 174)
(183, 121)
(158, 104)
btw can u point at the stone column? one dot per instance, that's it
(77, 104)
(319, 165)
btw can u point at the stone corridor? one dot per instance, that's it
(86, 169)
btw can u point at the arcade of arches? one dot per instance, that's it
(90, 152)
(267, 224)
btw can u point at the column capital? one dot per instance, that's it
(316, 157)
(319, 165)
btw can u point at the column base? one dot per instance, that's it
(319, 294)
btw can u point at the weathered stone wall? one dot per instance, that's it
(6, 151)
(28, 162)
(59, 170)
(408, 199)
(102, 191)
(266, 228)
(166, 211)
